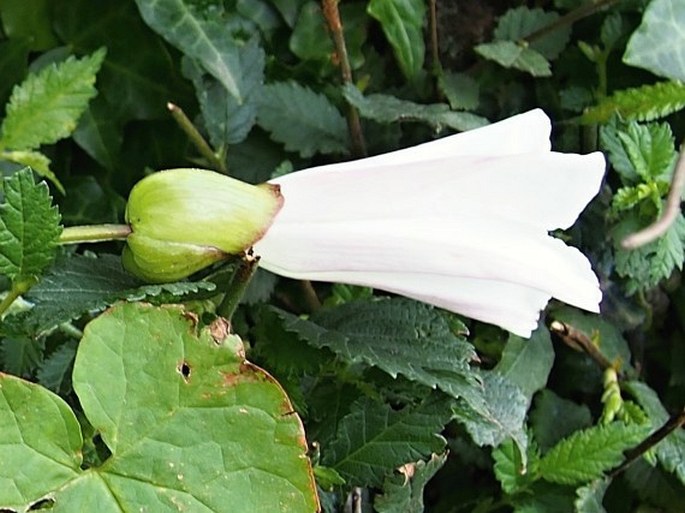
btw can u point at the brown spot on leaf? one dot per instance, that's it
(220, 329)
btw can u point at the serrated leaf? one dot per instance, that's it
(671, 450)
(305, 121)
(461, 90)
(527, 362)
(654, 486)
(554, 418)
(403, 493)
(386, 334)
(207, 38)
(658, 44)
(402, 23)
(388, 109)
(190, 425)
(373, 439)
(644, 103)
(509, 466)
(29, 227)
(79, 284)
(591, 495)
(546, 498)
(501, 415)
(647, 265)
(21, 355)
(227, 120)
(517, 56)
(36, 161)
(587, 454)
(47, 105)
(518, 23)
(54, 369)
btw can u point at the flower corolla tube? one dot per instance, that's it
(462, 223)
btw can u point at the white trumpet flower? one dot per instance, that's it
(462, 223)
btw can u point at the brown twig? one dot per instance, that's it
(332, 15)
(671, 211)
(579, 341)
(196, 137)
(675, 422)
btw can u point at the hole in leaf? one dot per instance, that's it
(184, 370)
(5, 510)
(42, 504)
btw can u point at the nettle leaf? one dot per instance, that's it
(554, 418)
(520, 22)
(305, 121)
(587, 454)
(209, 40)
(647, 265)
(402, 22)
(20, 355)
(388, 109)
(387, 334)
(47, 105)
(36, 161)
(528, 362)
(79, 284)
(190, 425)
(644, 103)
(514, 55)
(509, 466)
(53, 371)
(461, 90)
(29, 227)
(671, 450)
(403, 492)
(591, 495)
(658, 44)
(374, 440)
(228, 121)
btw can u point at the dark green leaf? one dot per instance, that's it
(54, 369)
(31, 24)
(99, 133)
(518, 23)
(587, 454)
(402, 22)
(554, 418)
(591, 495)
(373, 439)
(655, 486)
(305, 121)
(14, 56)
(517, 56)
(388, 109)
(29, 227)
(659, 43)
(47, 105)
(461, 90)
(21, 355)
(509, 469)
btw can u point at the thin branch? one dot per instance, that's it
(332, 15)
(671, 211)
(435, 48)
(241, 279)
(675, 422)
(579, 341)
(196, 137)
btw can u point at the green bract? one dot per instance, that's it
(183, 220)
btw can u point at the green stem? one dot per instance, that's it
(241, 279)
(18, 288)
(94, 233)
(196, 138)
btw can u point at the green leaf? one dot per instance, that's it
(386, 333)
(36, 161)
(206, 38)
(41, 443)
(305, 121)
(13, 64)
(403, 492)
(79, 284)
(517, 56)
(502, 415)
(190, 425)
(227, 120)
(509, 465)
(461, 90)
(653, 485)
(671, 450)
(587, 454)
(47, 105)
(647, 265)
(644, 103)
(388, 109)
(29, 227)
(658, 44)
(527, 362)
(402, 22)
(99, 133)
(520, 22)
(591, 495)
(53, 371)
(554, 418)
(373, 439)
(21, 355)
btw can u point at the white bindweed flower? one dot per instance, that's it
(462, 223)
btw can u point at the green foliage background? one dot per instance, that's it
(403, 407)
